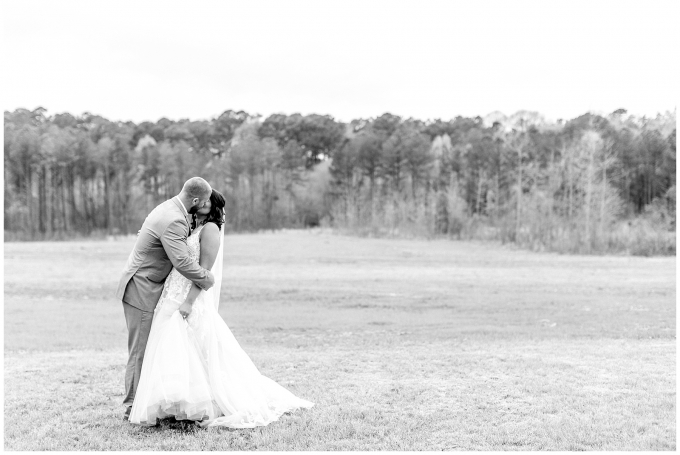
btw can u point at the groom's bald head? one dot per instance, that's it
(194, 193)
(196, 187)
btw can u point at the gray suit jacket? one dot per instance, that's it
(161, 244)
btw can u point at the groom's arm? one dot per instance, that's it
(174, 240)
(210, 244)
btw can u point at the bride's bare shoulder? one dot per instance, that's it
(210, 232)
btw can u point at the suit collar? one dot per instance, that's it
(179, 205)
(184, 207)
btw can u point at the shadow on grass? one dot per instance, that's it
(172, 424)
(187, 426)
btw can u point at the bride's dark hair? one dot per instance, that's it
(216, 214)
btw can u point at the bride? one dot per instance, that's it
(194, 369)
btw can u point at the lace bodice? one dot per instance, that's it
(194, 244)
(176, 285)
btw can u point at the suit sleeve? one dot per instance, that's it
(174, 240)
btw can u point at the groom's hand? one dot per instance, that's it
(211, 281)
(185, 309)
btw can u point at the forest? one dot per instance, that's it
(593, 184)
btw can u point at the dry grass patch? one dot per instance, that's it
(549, 395)
(402, 344)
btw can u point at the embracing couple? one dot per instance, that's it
(184, 361)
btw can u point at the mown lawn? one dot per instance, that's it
(402, 345)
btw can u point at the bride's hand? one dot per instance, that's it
(185, 309)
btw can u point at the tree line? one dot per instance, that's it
(592, 183)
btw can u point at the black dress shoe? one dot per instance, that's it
(126, 416)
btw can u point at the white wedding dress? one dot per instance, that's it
(196, 370)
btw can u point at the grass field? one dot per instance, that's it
(402, 345)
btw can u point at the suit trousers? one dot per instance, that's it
(138, 325)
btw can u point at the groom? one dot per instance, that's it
(161, 244)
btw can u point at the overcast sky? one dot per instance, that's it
(144, 60)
